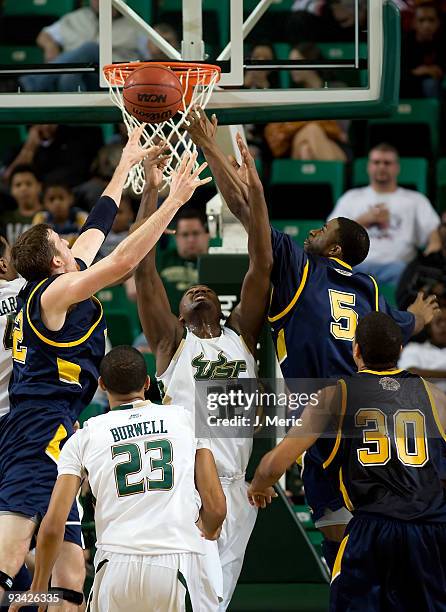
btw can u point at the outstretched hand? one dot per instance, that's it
(154, 164)
(261, 499)
(425, 307)
(200, 129)
(133, 152)
(248, 171)
(185, 179)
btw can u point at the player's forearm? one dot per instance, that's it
(259, 234)
(212, 516)
(49, 543)
(147, 266)
(232, 188)
(268, 472)
(116, 185)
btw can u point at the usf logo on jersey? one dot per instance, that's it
(221, 368)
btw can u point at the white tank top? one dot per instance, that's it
(8, 307)
(198, 358)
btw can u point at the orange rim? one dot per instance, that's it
(116, 74)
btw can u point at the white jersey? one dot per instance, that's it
(140, 460)
(229, 353)
(8, 308)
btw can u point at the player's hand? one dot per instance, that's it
(15, 607)
(133, 152)
(200, 129)
(261, 499)
(214, 535)
(248, 170)
(185, 179)
(425, 307)
(154, 164)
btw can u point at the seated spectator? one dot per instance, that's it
(399, 221)
(261, 79)
(325, 20)
(311, 79)
(169, 34)
(307, 140)
(101, 170)
(25, 188)
(74, 38)
(59, 153)
(65, 219)
(429, 358)
(120, 228)
(423, 54)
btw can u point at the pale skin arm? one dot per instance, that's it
(440, 403)
(49, 46)
(74, 287)
(51, 533)
(424, 309)
(213, 508)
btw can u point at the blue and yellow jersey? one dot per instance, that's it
(55, 368)
(388, 455)
(316, 303)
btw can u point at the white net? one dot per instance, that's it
(198, 84)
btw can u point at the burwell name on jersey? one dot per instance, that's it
(225, 357)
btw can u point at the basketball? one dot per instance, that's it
(152, 94)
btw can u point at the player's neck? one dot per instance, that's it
(204, 328)
(117, 401)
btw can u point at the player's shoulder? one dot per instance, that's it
(12, 286)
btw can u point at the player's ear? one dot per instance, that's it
(3, 265)
(101, 384)
(335, 251)
(356, 351)
(146, 384)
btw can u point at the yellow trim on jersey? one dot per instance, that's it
(347, 500)
(341, 420)
(338, 562)
(69, 372)
(53, 448)
(61, 344)
(376, 293)
(386, 373)
(434, 410)
(282, 353)
(339, 261)
(295, 298)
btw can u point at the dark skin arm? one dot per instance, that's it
(225, 171)
(248, 316)
(160, 326)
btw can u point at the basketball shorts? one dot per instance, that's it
(389, 565)
(30, 445)
(148, 583)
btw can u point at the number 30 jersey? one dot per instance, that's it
(140, 460)
(8, 308)
(315, 306)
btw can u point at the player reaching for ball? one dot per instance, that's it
(58, 342)
(196, 346)
(143, 463)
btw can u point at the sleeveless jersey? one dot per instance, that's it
(387, 457)
(140, 460)
(57, 369)
(8, 308)
(223, 358)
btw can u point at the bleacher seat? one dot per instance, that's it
(320, 184)
(298, 229)
(11, 136)
(121, 315)
(342, 51)
(55, 8)
(20, 54)
(441, 184)
(413, 174)
(413, 128)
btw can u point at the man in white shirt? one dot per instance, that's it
(143, 463)
(399, 221)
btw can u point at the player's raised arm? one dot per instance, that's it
(101, 217)
(313, 423)
(213, 501)
(73, 287)
(227, 174)
(160, 326)
(249, 314)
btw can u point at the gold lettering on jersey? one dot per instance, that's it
(220, 369)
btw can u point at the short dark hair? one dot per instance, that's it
(33, 253)
(428, 4)
(58, 184)
(22, 169)
(379, 339)
(385, 147)
(353, 240)
(191, 213)
(123, 370)
(3, 244)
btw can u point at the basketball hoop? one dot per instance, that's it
(197, 81)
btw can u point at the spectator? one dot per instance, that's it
(25, 188)
(261, 79)
(429, 359)
(423, 54)
(325, 20)
(64, 218)
(101, 170)
(74, 38)
(169, 34)
(59, 153)
(120, 228)
(398, 220)
(306, 140)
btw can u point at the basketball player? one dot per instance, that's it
(386, 458)
(58, 342)
(316, 302)
(142, 462)
(196, 346)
